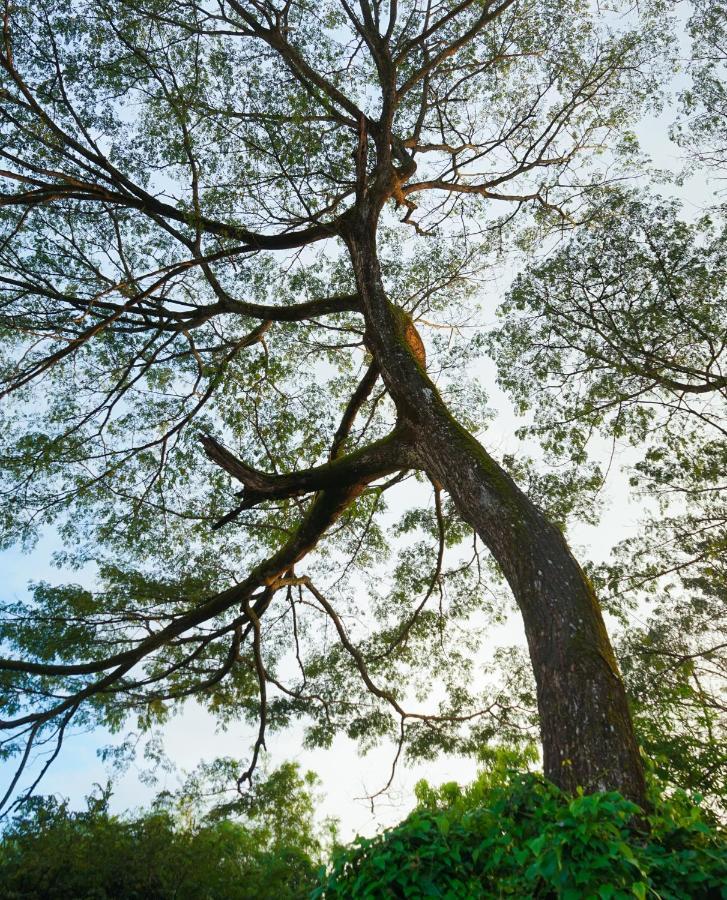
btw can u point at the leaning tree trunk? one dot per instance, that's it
(586, 729)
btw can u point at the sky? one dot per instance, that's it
(346, 776)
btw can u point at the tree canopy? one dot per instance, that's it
(264, 845)
(243, 246)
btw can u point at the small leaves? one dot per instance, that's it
(515, 835)
(264, 846)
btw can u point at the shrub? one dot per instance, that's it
(517, 835)
(261, 846)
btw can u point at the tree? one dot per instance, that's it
(704, 102)
(211, 213)
(176, 848)
(620, 334)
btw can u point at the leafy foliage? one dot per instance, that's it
(674, 669)
(619, 335)
(621, 330)
(701, 129)
(176, 849)
(516, 835)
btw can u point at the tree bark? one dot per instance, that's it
(586, 729)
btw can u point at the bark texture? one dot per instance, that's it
(587, 733)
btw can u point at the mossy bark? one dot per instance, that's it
(586, 727)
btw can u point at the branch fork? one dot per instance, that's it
(355, 470)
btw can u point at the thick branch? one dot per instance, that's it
(359, 468)
(70, 190)
(297, 312)
(359, 397)
(323, 512)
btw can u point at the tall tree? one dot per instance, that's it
(211, 214)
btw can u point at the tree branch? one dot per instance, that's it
(357, 400)
(357, 469)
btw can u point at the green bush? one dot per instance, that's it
(169, 852)
(517, 835)
(77, 856)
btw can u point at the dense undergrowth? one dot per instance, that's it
(509, 834)
(514, 834)
(193, 844)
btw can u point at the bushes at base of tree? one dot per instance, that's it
(509, 834)
(518, 835)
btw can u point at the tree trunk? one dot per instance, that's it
(586, 728)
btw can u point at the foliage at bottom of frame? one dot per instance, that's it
(514, 834)
(510, 834)
(264, 845)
